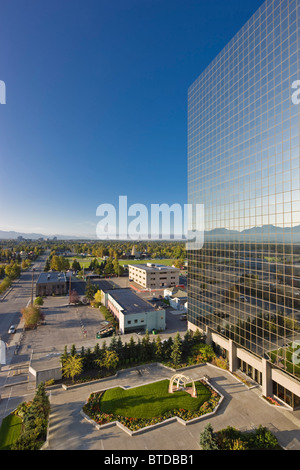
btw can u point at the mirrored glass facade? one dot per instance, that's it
(243, 165)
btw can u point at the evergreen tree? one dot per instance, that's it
(131, 349)
(187, 344)
(176, 350)
(113, 343)
(97, 351)
(64, 356)
(167, 348)
(208, 439)
(158, 349)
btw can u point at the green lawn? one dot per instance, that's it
(167, 262)
(10, 430)
(84, 262)
(150, 401)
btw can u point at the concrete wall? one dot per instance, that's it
(45, 375)
(154, 319)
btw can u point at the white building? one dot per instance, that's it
(177, 298)
(132, 312)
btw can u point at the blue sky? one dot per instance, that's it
(96, 103)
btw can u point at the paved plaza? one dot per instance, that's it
(242, 408)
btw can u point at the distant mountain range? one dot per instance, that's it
(11, 235)
(263, 233)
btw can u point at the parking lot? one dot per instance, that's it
(66, 325)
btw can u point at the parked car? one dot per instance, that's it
(12, 329)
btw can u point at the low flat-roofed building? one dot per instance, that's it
(51, 282)
(132, 312)
(154, 276)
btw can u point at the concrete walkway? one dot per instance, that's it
(242, 408)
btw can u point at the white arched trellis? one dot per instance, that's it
(180, 381)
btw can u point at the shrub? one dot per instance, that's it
(233, 439)
(220, 362)
(38, 301)
(264, 439)
(49, 382)
(31, 315)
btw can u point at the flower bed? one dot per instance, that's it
(272, 401)
(93, 410)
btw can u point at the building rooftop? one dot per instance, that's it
(129, 301)
(51, 276)
(154, 267)
(102, 284)
(179, 293)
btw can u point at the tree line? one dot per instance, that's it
(174, 352)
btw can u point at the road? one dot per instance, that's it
(14, 375)
(17, 297)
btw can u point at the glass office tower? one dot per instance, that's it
(243, 165)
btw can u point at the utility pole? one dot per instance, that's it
(32, 286)
(70, 279)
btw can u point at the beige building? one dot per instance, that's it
(154, 276)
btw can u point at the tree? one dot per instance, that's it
(35, 420)
(118, 269)
(90, 291)
(72, 366)
(147, 347)
(13, 270)
(109, 267)
(59, 263)
(158, 350)
(64, 356)
(187, 343)
(131, 349)
(113, 343)
(109, 360)
(208, 439)
(76, 265)
(98, 297)
(176, 350)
